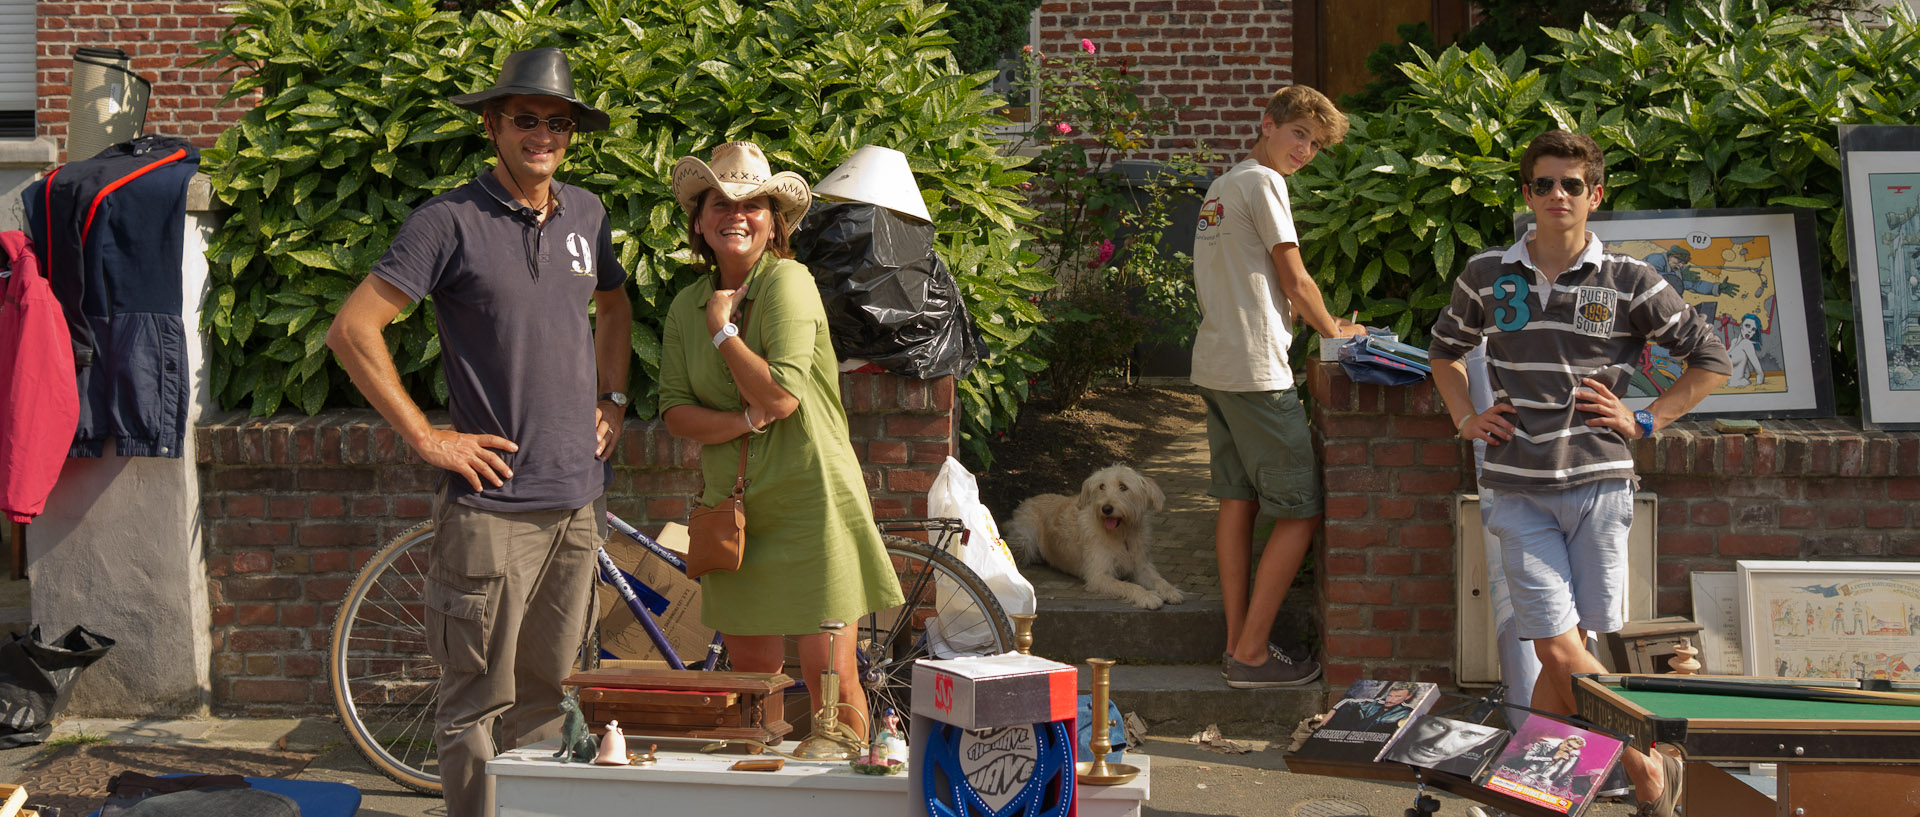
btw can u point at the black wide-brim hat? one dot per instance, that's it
(537, 72)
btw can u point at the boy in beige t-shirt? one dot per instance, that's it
(1252, 285)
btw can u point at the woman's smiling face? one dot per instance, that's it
(736, 229)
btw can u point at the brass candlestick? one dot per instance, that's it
(1022, 632)
(1099, 772)
(831, 739)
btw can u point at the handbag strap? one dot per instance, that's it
(740, 477)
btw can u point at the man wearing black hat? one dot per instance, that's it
(537, 396)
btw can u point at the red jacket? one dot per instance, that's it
(39, 402)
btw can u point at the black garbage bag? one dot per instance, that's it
(36, 679)
(889, 296)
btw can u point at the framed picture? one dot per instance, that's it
(1831, 619)
(1881, 168)
(1716, 608)
(1754, 274)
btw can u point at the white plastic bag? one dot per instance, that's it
(961, 630)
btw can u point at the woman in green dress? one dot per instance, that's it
(746, 360)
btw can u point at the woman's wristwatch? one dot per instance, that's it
(727, 331)
(1644, 419)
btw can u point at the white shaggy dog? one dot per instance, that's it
(1099, 536)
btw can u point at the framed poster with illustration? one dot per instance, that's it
(1881, 168)
(1754, 274)
(1831, 619)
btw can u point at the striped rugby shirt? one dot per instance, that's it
(1593, 321)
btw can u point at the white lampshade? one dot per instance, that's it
(876, 175)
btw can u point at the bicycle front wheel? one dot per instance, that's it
(949, 612)
(384, 683)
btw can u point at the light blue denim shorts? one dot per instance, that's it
(1564, 552)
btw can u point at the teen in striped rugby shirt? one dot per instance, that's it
(1564, 323)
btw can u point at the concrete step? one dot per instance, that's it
(1183, 699)
(1072, 630)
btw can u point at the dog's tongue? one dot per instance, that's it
(1111, 522)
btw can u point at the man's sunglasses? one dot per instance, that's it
(560, 124)
(1544, 185)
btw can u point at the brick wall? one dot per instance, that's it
(294, 505)
(162, 38)
(1803, 489)
(1221, 58)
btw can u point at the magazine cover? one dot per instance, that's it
(1554, 764)
(1365, 721)
(1447, 745)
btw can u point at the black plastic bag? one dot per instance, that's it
(889, 297)
(36, 679)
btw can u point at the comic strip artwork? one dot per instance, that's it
(1883, 214)
(1751, 275)
(1833, 620)
(1729, 280)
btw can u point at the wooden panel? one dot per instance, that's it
(1352, 29)
(1332, 39)
(1710, 792)
(1849, 790)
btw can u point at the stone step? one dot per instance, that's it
(1075, 629)
(1183, 699)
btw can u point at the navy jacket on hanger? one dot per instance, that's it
(109, 232)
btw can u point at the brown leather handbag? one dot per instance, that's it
(717, 535)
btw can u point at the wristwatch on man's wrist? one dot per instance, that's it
(615, 397)
(728, 331)
(1645, 419)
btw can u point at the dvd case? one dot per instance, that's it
(1367, 719)
(1554, 764)
(1442, 744)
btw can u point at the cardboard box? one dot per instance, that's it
(994, 690)
(621, 634)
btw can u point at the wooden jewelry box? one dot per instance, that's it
(686, 703)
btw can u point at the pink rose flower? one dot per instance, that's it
(1105, 255)
(1026, 49)
(1062, 128)
(1087, 45)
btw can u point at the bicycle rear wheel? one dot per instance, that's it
(949, 612)
(384, 683)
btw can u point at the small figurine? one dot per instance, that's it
(613, 747)
(576, 743)
(895, 735)
(886, 749)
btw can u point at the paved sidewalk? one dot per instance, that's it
(1188, 781)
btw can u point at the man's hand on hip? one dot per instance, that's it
(469, 456)
(608, 417)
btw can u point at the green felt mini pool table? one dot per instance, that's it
(1847, 759)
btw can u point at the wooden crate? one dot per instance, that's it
(686, 703)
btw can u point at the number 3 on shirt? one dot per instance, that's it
(1512, 290)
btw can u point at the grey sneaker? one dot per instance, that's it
(1280, 670)
(1301, 654)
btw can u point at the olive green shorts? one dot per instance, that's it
(1262, 449)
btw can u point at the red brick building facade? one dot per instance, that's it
(162, 39)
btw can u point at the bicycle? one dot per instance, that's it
(385, 685)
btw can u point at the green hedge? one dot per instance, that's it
(354, 130)
(1729, 106)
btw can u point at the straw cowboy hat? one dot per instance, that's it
(739, 171)
(537, 72)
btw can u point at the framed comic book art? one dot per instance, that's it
(1881, 168)
(1754, 274)
(1831, 619)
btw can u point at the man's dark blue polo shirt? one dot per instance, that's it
(510, 298)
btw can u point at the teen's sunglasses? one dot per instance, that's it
(1544, 185)
(556, 124)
